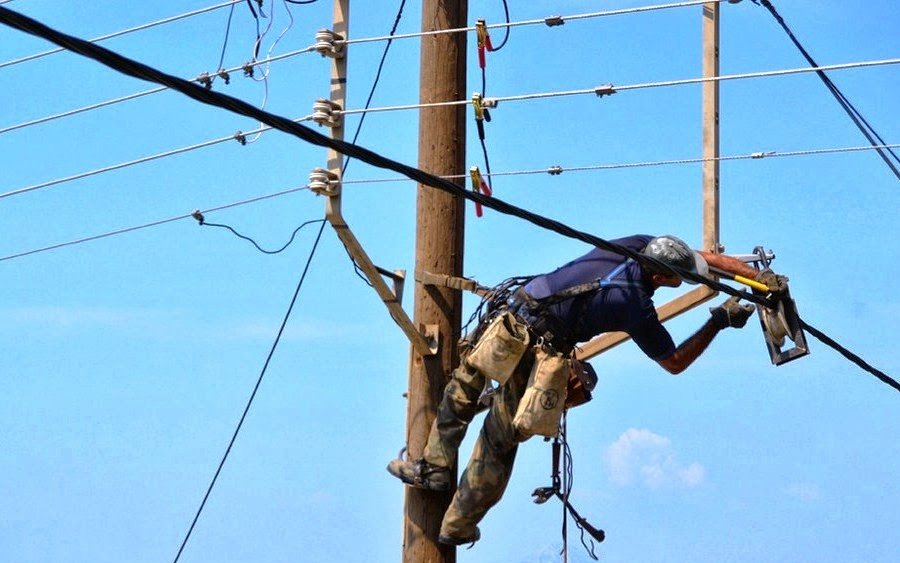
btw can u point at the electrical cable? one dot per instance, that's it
(550, 21)
(253, 394)
(861, 123)
(397, 18)
(135, 69)
(203, 222)
(553, 171)
(123, 32)
(506, 35)
(152, 224)
(156, 90)
(237, 136)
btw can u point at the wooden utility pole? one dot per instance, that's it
(711, 127)
(439, 249)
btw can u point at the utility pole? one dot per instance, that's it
(711, 127)
(439, 249)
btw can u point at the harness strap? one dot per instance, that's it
(453, 282)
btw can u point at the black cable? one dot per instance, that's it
(225, 42)
(505, 37)
(253, 394)
(135, 69)
(362, 119)
(253, 242)
(871, 135)
(849, 355)
(301, 1)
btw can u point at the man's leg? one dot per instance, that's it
(457, 409)
(485, 479)
(458, 406)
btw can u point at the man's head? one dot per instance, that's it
(672, 251)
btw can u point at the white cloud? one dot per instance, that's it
(642, 457)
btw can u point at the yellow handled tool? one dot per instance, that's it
(741, 279)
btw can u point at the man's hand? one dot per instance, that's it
(776, 283)
(731, 313)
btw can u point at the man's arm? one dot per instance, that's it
(729, 264)
(729, 314)
(690, 349)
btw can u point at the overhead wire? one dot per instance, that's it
(122, 32)
(890, 157)
(543, 95)
(551, 170)
(153, 223)
(234, 137)
(259, 380)
(137, 70)
(545, 21)
(156, 90)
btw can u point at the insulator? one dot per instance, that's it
(322, 181)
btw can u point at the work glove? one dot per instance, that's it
(776, 283)
(731, 313)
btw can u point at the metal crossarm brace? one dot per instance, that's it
(426, 345)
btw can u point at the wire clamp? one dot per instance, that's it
(479, 185)
(248, 69)
(326, 112)
(241, 138)
(205, 79)
(324, 182)
(223, 74)
(604, 90)
(326, 44)
(554, 21)
(555, 170)
(484, 41)
(198, 216)
(762, 154)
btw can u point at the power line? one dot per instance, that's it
(552, 170)
(608, 89)
(239, 136)
(598, 91)
(135, 69)
(889, 157)
(262, 374)
(152, 224)
(156, 90)
(121, 33)
(549, 21)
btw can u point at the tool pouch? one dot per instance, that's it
(545, 396)
(500, 348)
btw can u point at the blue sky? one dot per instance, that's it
(127, 361)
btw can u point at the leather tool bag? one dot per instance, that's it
(582, 380)
(500, 348)
(542, 405)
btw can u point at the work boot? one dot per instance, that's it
(455, 540)
(420, 474)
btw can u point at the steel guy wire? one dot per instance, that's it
(237, 136)
(135, 69)
(552, 170)
(153, 223)
(544, 21)
(123, 32)
(136, 95)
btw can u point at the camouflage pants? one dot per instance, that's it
(484, 479)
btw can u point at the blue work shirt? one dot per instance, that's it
(625, 304)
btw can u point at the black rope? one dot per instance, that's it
(201, 94)
(871, 135)
(252, 395)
